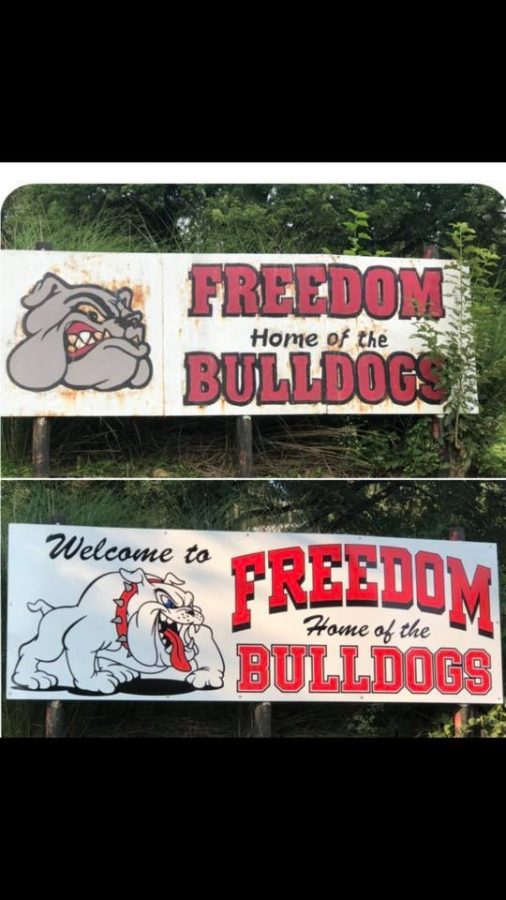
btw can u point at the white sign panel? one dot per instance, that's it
(205, 615)
(176, 334)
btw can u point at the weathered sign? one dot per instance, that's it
(207, 615)
(176, 334)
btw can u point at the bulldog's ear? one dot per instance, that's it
(46, 288)
(172, 579)
(136, 577)
(125, 294)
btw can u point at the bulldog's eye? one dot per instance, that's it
(165, 599)
(91, 312)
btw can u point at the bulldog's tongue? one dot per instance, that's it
(177, 655)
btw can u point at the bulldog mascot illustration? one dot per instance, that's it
(125, 624)
(81, 336)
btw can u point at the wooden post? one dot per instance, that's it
(262, 728)
(40, 446)
(54, 719)
(464, 713)
(41, 428)
(245, 446)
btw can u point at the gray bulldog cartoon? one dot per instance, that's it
(81, 336)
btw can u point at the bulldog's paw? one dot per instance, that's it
(205, 678)
(39, 681)
(99, 683)
(121, 673)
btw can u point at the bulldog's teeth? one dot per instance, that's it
(79, 344)
(106, 334)
(72, 338)
(71, 350)
(136, 339)
(85, 336)
(98, 335)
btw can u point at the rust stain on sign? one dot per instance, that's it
(68, 395)
(140, 291)
(72, 397)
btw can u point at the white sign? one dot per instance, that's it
(180, 334)
(113, 613)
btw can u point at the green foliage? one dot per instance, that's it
(489, 723)
(123, 218)
(356, 229)
(476, 328)
(298, 218)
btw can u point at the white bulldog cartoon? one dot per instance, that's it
(124, 625)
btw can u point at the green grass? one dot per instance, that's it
(295, 446)
(103, 233)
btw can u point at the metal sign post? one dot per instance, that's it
(245, 446)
